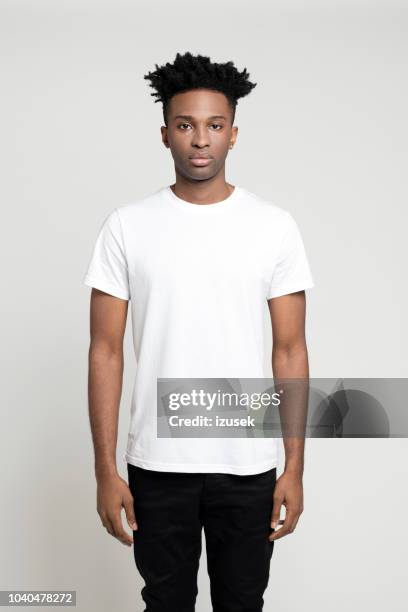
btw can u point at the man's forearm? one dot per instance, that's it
(104, 393)
(293, 363)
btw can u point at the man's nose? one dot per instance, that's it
(200, 138)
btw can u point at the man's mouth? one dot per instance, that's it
(200, 160)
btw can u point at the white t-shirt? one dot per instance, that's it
(197, 277)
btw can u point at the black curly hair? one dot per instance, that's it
(193, 72)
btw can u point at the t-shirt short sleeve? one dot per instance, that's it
(292, 271)
(108, 269)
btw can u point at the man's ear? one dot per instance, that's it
(234, 134)
(165, 141)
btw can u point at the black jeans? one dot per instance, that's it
(171, 509)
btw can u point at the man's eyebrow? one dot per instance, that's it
(191, 118)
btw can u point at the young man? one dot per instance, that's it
(199, 261)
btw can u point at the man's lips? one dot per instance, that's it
(200, 160)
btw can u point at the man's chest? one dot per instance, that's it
(197, 257)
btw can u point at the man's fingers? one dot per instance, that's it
(278, 534)
(295, 522)
(130, 513)
(289, 524)
(277, 503)
(115, 528)
(107, 524)
(118, 530)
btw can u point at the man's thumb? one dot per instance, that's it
(275, 518)
(130, 514)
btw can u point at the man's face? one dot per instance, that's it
(199, 132)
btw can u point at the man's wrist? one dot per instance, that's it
(296, 469)
(105, 470)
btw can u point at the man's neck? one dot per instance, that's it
(202, 192)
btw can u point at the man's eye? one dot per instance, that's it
(216, 125)
(182, 124)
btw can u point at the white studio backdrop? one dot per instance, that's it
(324, 135)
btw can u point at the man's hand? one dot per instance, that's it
(289, 493)
(113, 493)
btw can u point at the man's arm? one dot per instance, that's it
(108, 316)
(289, 360)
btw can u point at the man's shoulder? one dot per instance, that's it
(265, 206)
(141, 205)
